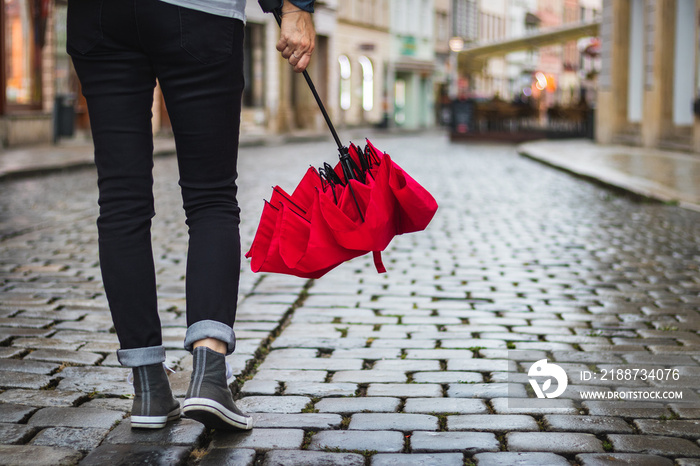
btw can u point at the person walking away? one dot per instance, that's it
(194, 48)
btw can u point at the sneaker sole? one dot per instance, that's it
(154, 422)
(215, 415)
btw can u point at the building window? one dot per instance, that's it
(22, 73)
(345, 83)
(367, 83)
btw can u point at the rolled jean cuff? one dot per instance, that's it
(210, 329)
(141, 356)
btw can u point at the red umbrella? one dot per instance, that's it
(338, 213)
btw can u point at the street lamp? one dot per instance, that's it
(456, 45)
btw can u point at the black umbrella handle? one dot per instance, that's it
(269, 6)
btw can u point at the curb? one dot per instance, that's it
(641, 189)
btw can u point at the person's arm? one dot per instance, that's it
(297, 33)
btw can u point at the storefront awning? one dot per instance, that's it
(473, 58)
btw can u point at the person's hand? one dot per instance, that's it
(297, 36)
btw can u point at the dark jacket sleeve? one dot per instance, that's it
(306, 5)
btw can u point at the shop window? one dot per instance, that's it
(367, 83)
(345, 83)
(25, 24)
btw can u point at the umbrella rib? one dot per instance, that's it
(288, 199)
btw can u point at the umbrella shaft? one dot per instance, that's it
(315, 93)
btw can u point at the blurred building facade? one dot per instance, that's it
(394, 63)
(650, 74)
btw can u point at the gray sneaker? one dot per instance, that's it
(154, 404)
(209, 399)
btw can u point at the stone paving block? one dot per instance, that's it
(393, 421)
(357, 440)
(404, 390)
(533, 406)
(30, 367)
(312, 458)
(291, 353)
(307, 421)
(7, 333)
(418, 459)
(101, 347)
(492, 422)
(113, 404)
(509, 337)
(621, 459)
(688, 462)
(369, 376)
(320, 343)
(438, 354)
(447, 377)
(685, 411)
(75, 417)
(383, 343)
(40, 398)
(25, 323)
(689, 429)
(8, 353)
(445, 405)
(125, 455)
(589, 424)
(273, 404)
(11, 434)
(260, 439)
(507, 458)
(325, 364)
(512, 355)
(97, 386)
(482, 365)
(22, 455)
(226, 457)
(183, 432)
(65, 357)
(9, 379)
(15, 413)
(467, 442)
(69, 437)
(543, 346)
(358, 405)
(554, 442)
(259, 387)
(320, 390)
(367, 353)
(655, 445)
(580, 356)
(628, 409)
(290, 376)
(406, 365)
(486, 390)
(46, 344)
(473, 343)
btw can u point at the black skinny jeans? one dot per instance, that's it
(119, 49)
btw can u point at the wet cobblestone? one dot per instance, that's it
(427, 364)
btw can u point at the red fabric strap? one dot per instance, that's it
(378, 261)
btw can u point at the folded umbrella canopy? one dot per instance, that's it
(338, 213)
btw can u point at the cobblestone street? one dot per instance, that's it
(424, 365)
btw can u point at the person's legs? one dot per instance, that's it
(199, 67)
(118, 81)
